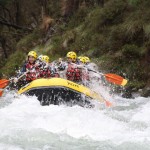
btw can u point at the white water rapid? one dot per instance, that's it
(26, 125)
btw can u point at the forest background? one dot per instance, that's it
(115, 34)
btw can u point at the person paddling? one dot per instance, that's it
(72, 73)
(85, 73)
(29, 69)
(46, 69)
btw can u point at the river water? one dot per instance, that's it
(26, 125)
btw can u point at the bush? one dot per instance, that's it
(112, 13)
(134, 2)
(78, 18)
(131, 51)
(134, 30)
(14, 62)
(116, 38)
(147, 31)
(29, 41)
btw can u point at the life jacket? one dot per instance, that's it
(73, 73)
(48, 72)
(45, 73)
(33, 71)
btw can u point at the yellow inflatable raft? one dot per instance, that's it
(57, 91)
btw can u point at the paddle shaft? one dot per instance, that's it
(113, 78)
(95, 71)
(23, 75)
(6, 81)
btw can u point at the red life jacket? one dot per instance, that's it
(34, 72)
(73, 74)
(45, 73)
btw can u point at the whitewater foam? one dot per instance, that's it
(24, 120)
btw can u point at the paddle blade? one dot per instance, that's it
(108, 104)
(3, 83)
(116, 79)
(1, 93)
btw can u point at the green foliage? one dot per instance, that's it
(56, 46)
(136, 84)
(133, 69)
(105, 62)
(134, 2)
(93, 16)
(131, 51)
(112, 13)
(13, 63)
(134, 29)
(29, 41)
(54, 8)
(147, 31)
(78, 17)
(116, 37)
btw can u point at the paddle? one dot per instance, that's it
(113, 78)
(108, 103)
(5, 82)
(110, 77)
(1, 92)
(98, 96)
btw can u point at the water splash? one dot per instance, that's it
(25, 124)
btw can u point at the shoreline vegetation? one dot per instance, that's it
(115, 34)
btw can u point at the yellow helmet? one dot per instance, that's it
(79, 57)
(82, 59)
(72, 55)
(33, 53)
(87, 59)
(45, 58)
